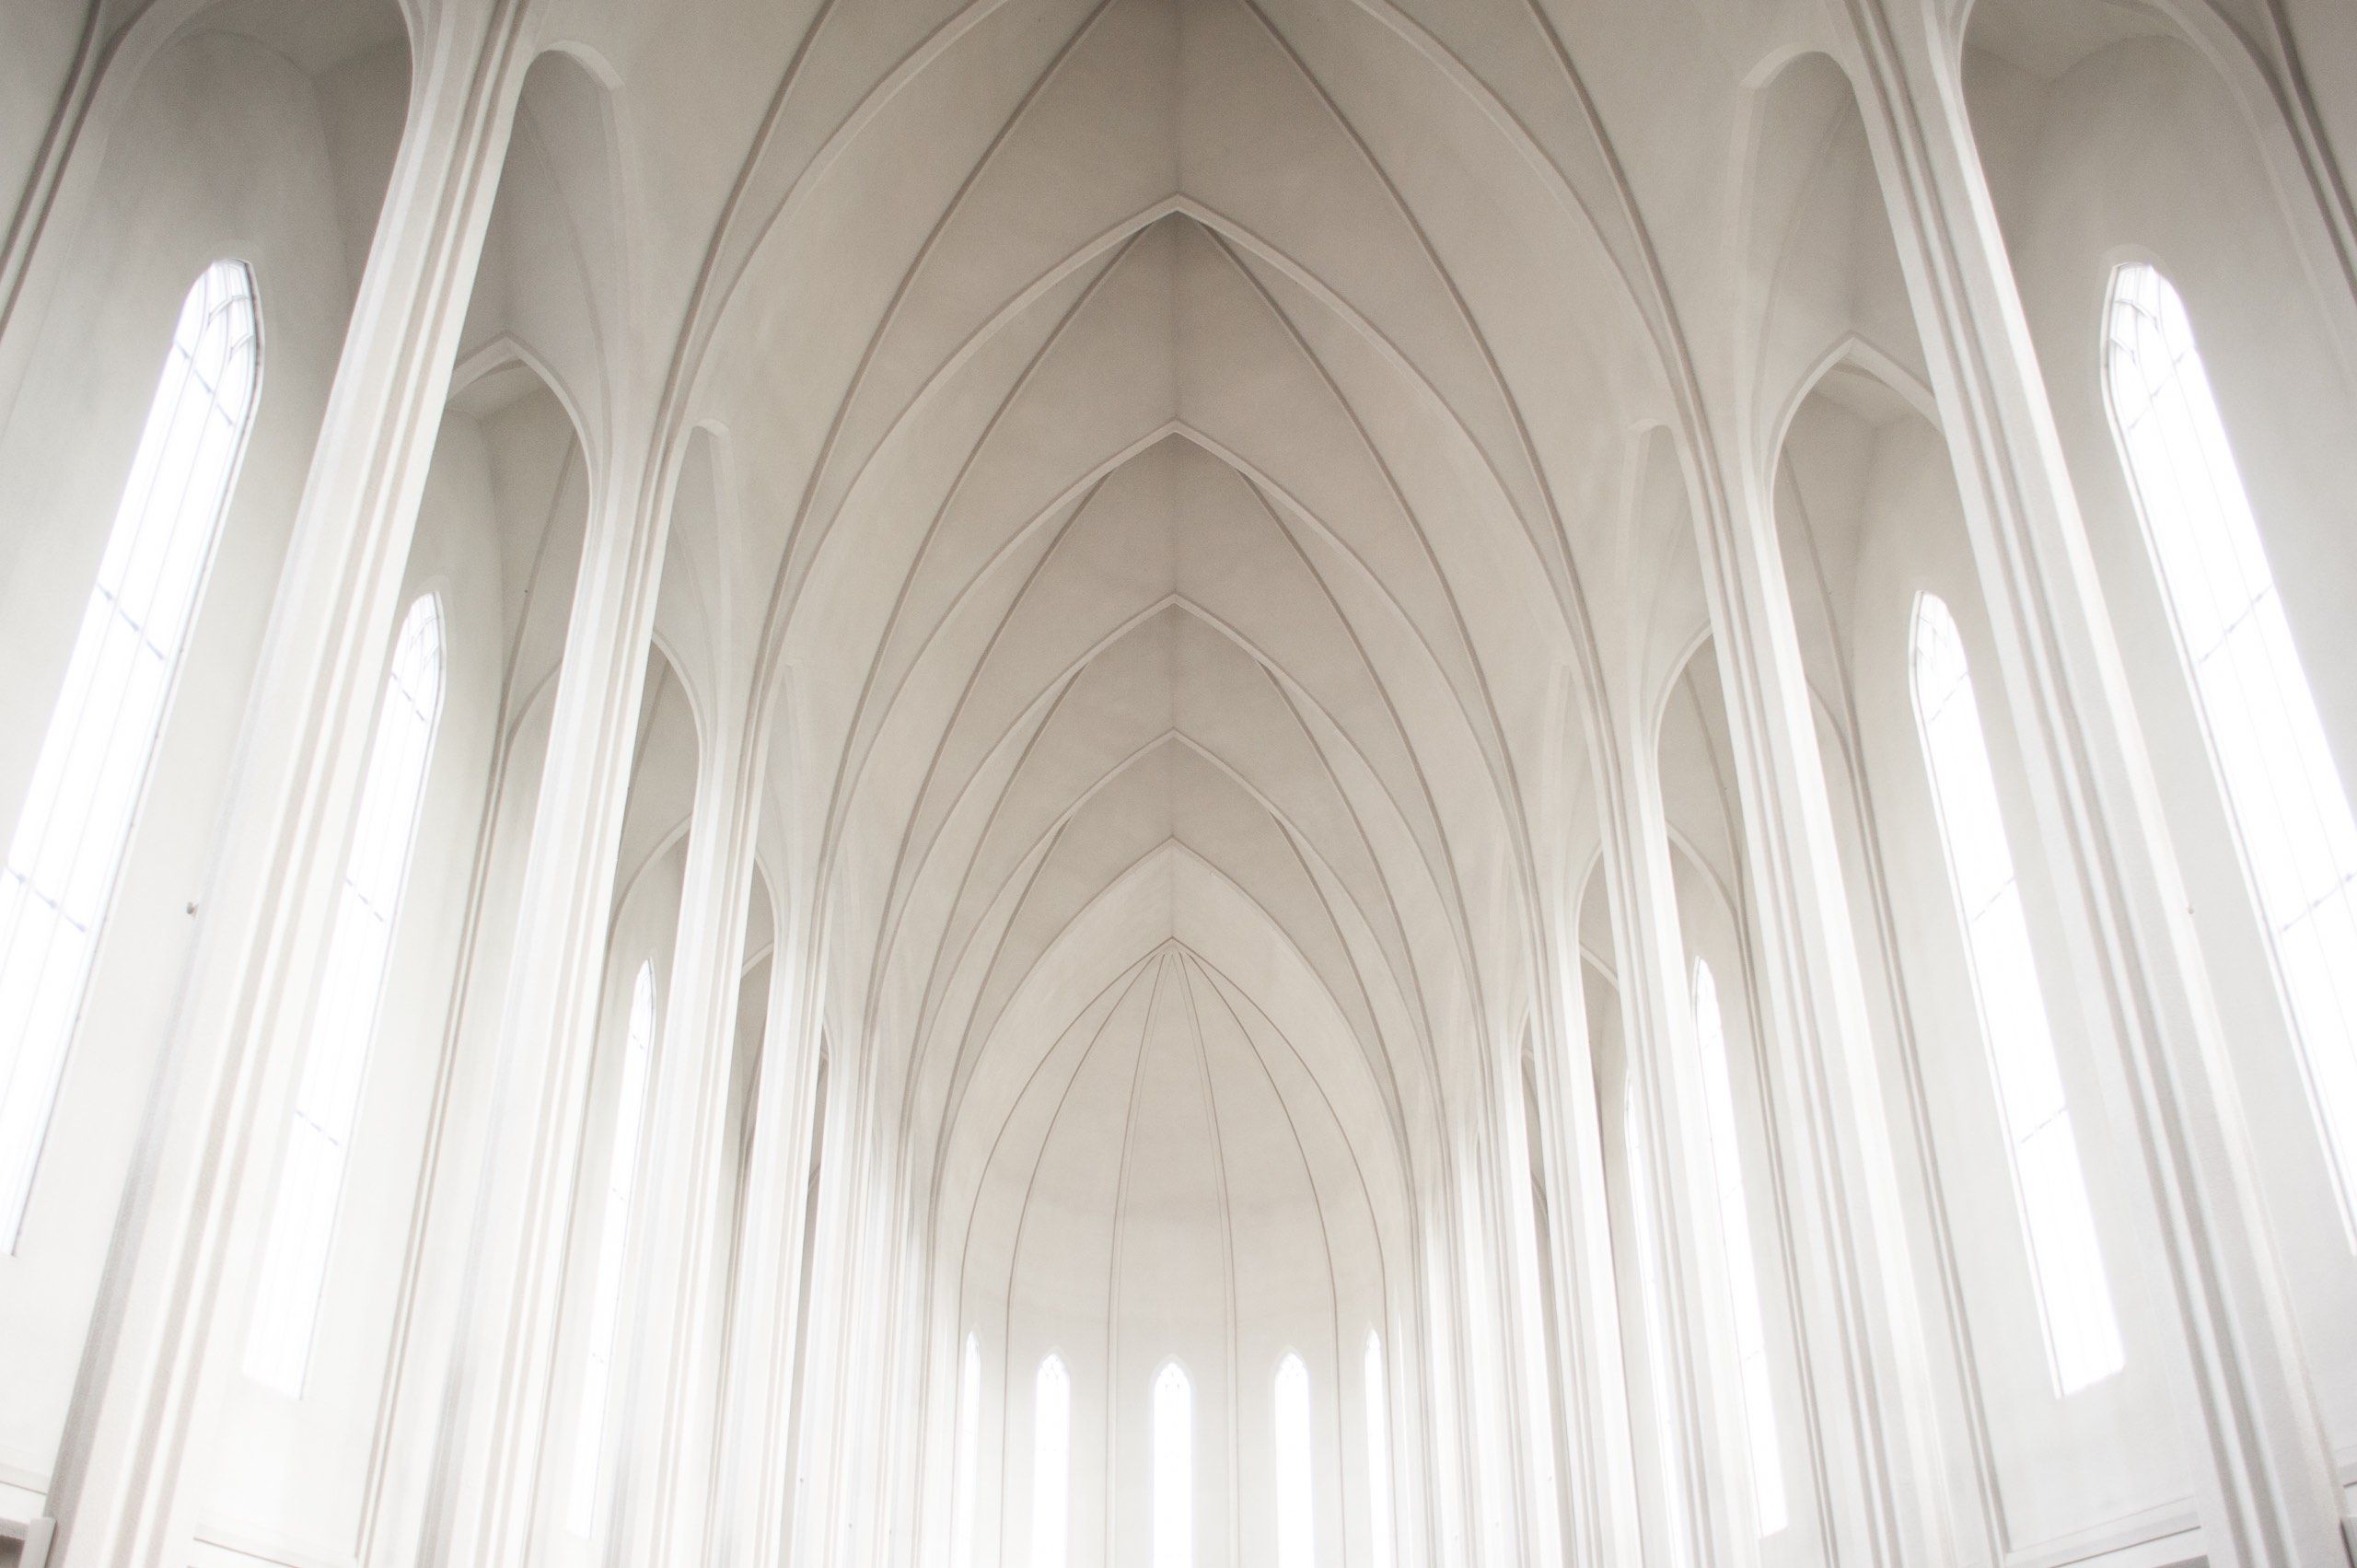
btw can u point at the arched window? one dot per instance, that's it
(970, 1454)
(295, 1264)
(1652, 1302)
(1050, 1464)
(613, 1248)
(1378, 1457)
(1297, 1489)
(1743, 1267)
(2283, 790)
(1174, 1469)
(67, 850)
(2066, 1259)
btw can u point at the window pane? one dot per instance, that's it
(2283, 790)
(1050, 1464)
(295, 1260)
(67, 850)
(1378, 1457)
(970, 1454)
(1296, 1496)
(1743, 1269)
(1653, 1303)
(2066, 1262)
(613, 1244)
(1174, 1469)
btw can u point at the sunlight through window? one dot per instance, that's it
(1050, 1464)
(2283, 790)
(310, 1184)
(1378, 1457)
(613, 1246)
(2066, 1260)
(1174, 1469)
(1653, 1303)
(970, 1454)
(1743, 1269)
(1297, 1495)
(67, 850)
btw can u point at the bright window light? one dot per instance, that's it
(1653, 1303)
(2074, 1298)
(294, 1261)
(1296, 1492)
(1174, 1469)
(67, 850)
(970, 1454)
(613, 1246)
(1050, 1464)
(1378, 1457)
(2283, 788)
(1743, 1269)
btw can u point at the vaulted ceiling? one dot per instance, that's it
(1161, 442)
(1173, 477)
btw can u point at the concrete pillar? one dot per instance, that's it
(1599, 1476)
(680, 1319)
(1879, 1431)
(756, 1487)
(495, 1495)
(1714, 1492)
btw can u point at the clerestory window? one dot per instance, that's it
(66, 853)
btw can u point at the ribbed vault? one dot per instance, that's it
(1157, 538)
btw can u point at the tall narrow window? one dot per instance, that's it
(295, 1264)
(2282, 789)
(1174, 1469)
(1050, 1464)
(1297, 1489)
(1652, 1302)
(67, 850)
(970, 1454)
(1743, 1267)
(613, 1246)
(2066, 1260)
(1378, 1457)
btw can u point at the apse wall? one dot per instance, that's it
(1171, 1183)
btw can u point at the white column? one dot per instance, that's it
(1529, 1383)
(831, 1371)
(756, 1489)
(1878, 1426)
(681, 1316)
(1599, 1473)
(865, 1310)
(1662, 1067)
(116, 1491)
(2265, 1476)
(491, 1466)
